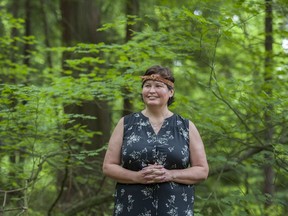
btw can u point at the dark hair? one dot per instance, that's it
(165, 73)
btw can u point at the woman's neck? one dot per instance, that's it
(157, 117)
(157, 113)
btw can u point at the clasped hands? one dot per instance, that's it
(155, 173)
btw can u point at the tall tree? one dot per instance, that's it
(28, 31)
(80, 20)
(132, 11)
(267, 88)
(46, 31)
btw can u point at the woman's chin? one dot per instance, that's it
(153, 103)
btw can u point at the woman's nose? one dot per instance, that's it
(152, 89)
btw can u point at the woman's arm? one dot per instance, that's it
(155, 173)
(199, 166)
(112, 160)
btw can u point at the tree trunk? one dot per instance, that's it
(28, 32)
(80, 20)
(268, 78)
(46, 32)
(132, 8)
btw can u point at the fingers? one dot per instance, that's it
(154, 173)
(153, 166)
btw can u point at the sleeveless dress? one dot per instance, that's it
(142, 146)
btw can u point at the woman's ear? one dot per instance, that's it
(171, 92)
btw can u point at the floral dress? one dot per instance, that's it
(142, 146)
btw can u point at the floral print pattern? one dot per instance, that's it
(142, 146)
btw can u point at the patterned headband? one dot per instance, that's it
(157, 77)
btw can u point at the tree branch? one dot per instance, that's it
(243, 157)
(87, 203)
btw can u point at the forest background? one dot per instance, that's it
(69, 69)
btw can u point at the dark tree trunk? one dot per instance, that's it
(80, 20)
(46, 32)
(268, 78)
(132, 8)
(27, 46)
(14, 33)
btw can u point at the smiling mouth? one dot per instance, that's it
(152, 97)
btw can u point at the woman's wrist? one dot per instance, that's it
(172, 175)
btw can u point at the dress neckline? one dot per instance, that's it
(163, 123)
(173, 114)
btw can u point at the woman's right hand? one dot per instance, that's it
(153, 173)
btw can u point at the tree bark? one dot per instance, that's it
(80, 20)
(268, 78)
(28, 32)
(132, 8)
(46, 32)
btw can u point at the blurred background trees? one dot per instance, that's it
(70, 69)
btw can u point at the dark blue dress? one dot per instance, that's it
(142, 146)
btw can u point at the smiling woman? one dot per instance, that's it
(155, 156)
(162, 75)
(156, 92)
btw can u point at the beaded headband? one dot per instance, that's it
(157, 77)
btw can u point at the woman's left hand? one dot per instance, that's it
(155, 173)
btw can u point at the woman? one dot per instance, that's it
(155, 156)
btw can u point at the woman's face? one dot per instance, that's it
(156, 93)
